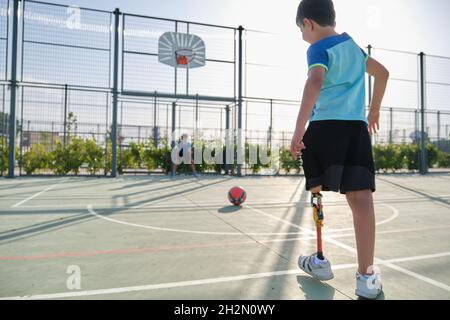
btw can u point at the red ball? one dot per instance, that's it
(237, 195)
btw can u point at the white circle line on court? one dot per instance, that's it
(137, 225)
(92, 211)
(395, 214)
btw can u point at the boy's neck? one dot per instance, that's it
(325, 32)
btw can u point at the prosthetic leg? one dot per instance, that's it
(316, 203)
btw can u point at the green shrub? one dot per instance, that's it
(108, 159)
(161, 155)
(35, 159)
(410, 156)
(253, 148)
(136, 155)
(258, 150)
(4, 157)
(125, 158)
(287, 162)
(77, 152)
(69, 158)
(388, 157)
(199, 167)
(443, 160)
(432, 154)
(94, 156)
(393, 157)
(150, 156)
(378, 157)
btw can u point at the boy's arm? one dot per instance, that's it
(381, 75)
(311, 93)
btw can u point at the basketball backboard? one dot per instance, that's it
(181, 50)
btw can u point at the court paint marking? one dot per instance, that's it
(353, 250)
(92, 211)
(137, 225)
(194, 246)
(395, 214)
(302, 184)
(37, 194)
(189, 283)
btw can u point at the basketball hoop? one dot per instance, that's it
(184, 56)
(181, 50)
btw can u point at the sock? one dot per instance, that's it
(318, 261)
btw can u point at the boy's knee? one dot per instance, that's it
(358, 194)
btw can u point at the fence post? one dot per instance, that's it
(65, 116)
(239, 137)
(390, 125)
(20, 129)
(174, 111)
(270, 125)
(227, 140)
(155, 123)
(117, 14)
(12, 113)
(438, 128)
(423, 156)
(53, 132)
(416, 124)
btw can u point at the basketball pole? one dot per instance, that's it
(239, 137)
(12, 112)
(117, 14)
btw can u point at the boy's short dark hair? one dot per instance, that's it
(321, 11)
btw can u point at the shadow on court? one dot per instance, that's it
(314, 289)
(83, 216)
(229, 209)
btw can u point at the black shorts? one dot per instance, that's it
(338, 156)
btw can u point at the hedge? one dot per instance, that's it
(86, 153)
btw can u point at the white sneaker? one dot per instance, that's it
(368, 286)
(321, 271)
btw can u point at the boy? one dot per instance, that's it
(336, 148)
(184, 153)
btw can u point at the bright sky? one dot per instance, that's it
(414, 25)
(410, 25)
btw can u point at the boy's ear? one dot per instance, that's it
(307, 23)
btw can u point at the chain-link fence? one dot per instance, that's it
(400, 116)
(92, 94)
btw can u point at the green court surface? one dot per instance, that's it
(152, 237)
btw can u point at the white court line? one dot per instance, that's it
(181, 284)
(137, 225)
(353, 250)
(345, 235)
(37, 194)
(395, 214)
(92, 211)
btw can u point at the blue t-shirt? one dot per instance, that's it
(342, 96)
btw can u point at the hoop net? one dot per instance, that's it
(184, 56)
